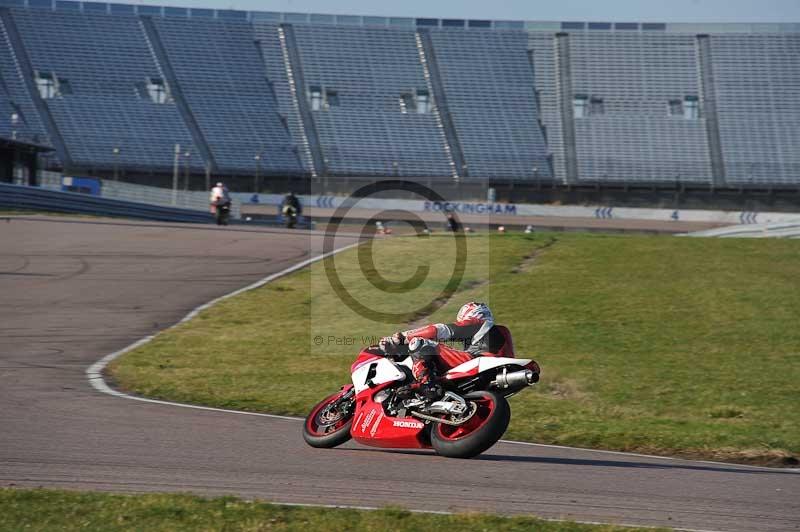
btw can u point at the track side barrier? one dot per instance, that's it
(770, 230)
(38, 199)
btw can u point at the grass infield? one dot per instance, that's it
(67, 511)
(672, 346)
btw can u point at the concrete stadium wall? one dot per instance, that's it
(198, 200)
(187, 199)
(511, 209)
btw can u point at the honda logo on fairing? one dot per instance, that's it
(408, 424)
(375, 425)
(368, 420)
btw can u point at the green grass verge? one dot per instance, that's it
(66, 511)
(672, 346)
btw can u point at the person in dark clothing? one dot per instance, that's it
(291, 209)
(452, 223)
(290, 200)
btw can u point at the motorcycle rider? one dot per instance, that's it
(290, 200)
(474, 325)
(219, 195)
(220, 200)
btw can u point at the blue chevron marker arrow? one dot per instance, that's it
(748, 218)
(604, 212)
(325, 202)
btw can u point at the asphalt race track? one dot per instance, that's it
(75, 290)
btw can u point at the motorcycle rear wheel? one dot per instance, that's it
(327, 428)
(479, 432)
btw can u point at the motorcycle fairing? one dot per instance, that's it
(373, 373)
(373, 427)
(478, 365)
(376, 429)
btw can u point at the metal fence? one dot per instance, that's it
(36, 198)
(129, 200)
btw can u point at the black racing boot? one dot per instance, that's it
(429, 391)
(424, 371)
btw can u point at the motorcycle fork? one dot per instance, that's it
(348, 395)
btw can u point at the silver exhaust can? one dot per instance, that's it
(516, 379)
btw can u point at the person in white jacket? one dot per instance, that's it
(219, 196)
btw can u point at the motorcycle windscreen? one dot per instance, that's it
(376, 373)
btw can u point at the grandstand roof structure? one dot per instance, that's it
(142, 88)
(400, 22)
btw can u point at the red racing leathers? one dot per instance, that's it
(480, 338)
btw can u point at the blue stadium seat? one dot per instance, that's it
(15, 97)
(758, 87)
(515, 97)
(224, 82)
(106, 61)
(490, 93)
(369, 68)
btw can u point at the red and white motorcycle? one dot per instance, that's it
(471, 416)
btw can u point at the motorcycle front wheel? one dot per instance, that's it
(328, 424)
(487, 422)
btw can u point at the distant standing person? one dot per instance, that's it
(455, 227)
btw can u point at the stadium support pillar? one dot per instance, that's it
(175, 164)
(565, 97)
(709, 109)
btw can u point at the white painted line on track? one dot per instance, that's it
(445, 512)
(95, 372)
(95, 376)
(639, 455)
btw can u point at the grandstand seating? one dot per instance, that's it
(14, 98)
(268, 39)
(224, 82)
(542, 50)
(634, 103)
(8, 108)
(635, 138)
(366, 133)
(490, 93)
(106, 62)
(758, 87)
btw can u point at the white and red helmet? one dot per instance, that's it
(472, 313)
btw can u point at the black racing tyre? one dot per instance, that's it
(480, 432)
(328, 427)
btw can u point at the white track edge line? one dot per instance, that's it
(640, 455)
(445, 512)
(95, 372)
(95, 375)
